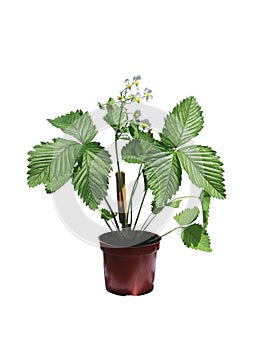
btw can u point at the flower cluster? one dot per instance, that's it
(128, 95)
(131, 94)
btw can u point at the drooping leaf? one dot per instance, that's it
(205, 199)
(107, 215)
(187, 216)
(116, 116)
(77, 124)
(163, 172)
(183, 123)
(204, 169)
(51, 163)
(194, 237)
(91, 175)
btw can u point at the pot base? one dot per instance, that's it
(125, 294)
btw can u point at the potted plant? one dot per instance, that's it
(129, 251)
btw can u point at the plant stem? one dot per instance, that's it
(176, 228)
(131, 214)
(173, 200)
(146, 221)
(133, 191)
(105, 221)
(145, 226)
(113, 223)
(108, 225)
(176, 199)
(139, 212)
(113, 216)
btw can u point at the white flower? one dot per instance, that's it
(136, 80)
(144, 125)
(128, 84)
(138, 98)
(147, 94)
(137, 115)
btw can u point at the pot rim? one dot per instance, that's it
(104, 244)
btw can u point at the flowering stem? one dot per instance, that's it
(121, 133)
(118, 166)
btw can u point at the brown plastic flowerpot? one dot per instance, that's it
(129, 265)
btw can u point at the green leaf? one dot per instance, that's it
(187, 216)
(174, 203)
(163, 172)
(155, 210)
(136, 133)
(133, 152)
(194, 237)
(205, 199)
(91, 175)
(139, 148)
(115, 116)
(184, 123)
(133, 129)
(204, 243)
(52, 163)
(204, 169)
(77, 124)
(107, 215)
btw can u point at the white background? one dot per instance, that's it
(58, 56)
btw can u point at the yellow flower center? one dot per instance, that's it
(136, 114)
(144, 125)
(138, 100)
(136, 82)
(147, 95)
(120, 98)
(129, 86)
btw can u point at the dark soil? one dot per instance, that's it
(129, 238)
